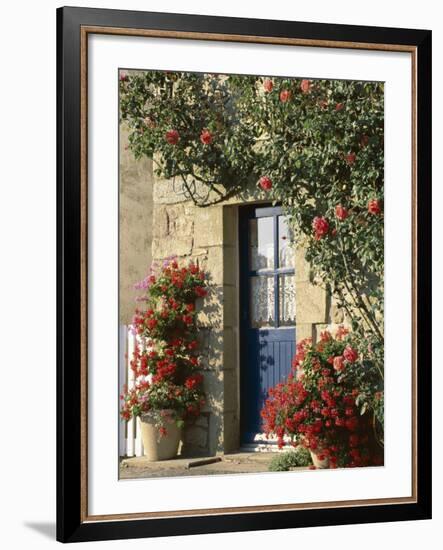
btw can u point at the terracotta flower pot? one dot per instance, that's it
(158, 446)
(319, 464)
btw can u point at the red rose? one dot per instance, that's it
(190, 307)
(338, 363)
(320, 226)
(268, 85)
(187, 319)
(339, 106)
(151, 323)
(374, 207)
(341, 212)
(350, 159)
(123, 77)
(305, 86)
(265, 183)
(206, 137)
(353, 440)
(350, 354)
(172, 137)
(285, 95)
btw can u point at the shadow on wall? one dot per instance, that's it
(203, 435)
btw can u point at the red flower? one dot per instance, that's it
(268, 85)
(339, 106)
(285, 96)
(350, 354)
(350, 158)
(151, 323)
(206, 137)
(351, 423)
(374, 207)
(190, 307)
(123, 77)
(187, 319)
(341, 212)
(320, 226)
(200, 291)
(265, 183)
(193, 381)
(172, 137)
(305, 86)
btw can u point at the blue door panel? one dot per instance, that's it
(266, 353)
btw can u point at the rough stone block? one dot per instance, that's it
(229, 349)
(230, 225)
(211, 312)
(304, 330)
(160, 226)
(196, 436)
(171, 246)
(231, 432)
(212, 263)
(208, 228)
(165, 192)
(302, 268)
(311, 303)
(337, 315)
(230, 301)
(230, 387)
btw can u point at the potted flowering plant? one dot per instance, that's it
(331, 403)
(168, 385)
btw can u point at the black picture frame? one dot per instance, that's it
(72, 526)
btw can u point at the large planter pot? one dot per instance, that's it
(319, 464)
(157, 446)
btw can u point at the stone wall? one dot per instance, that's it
(135, 224)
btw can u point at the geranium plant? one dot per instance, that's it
(330, 402)
(165, 361)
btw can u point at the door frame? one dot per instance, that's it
(245, 213)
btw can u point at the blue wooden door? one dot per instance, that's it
(267, 288)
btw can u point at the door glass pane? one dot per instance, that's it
(262, 302)
(285, 243)
(286, 300)
(261, 244)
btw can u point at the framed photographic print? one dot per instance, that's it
(244, 270)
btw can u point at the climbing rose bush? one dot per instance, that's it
(329, 402)
(166, 361)
(316, 146)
